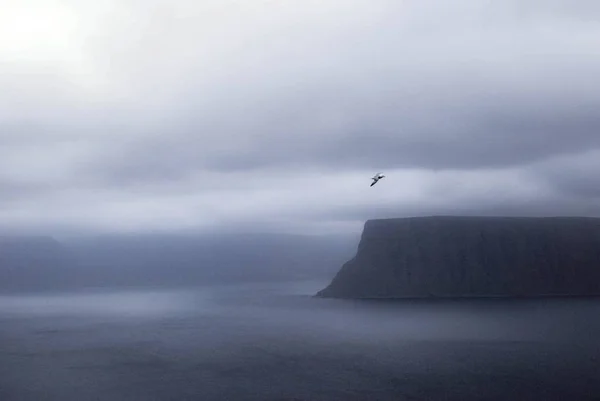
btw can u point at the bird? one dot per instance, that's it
(376, 178)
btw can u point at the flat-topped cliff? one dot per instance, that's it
(455, 256)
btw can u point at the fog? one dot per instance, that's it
(167, 260)
(275, 342)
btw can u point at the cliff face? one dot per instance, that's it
(472, 256)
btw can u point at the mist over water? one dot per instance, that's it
(274, 341)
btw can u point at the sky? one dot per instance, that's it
(133, 116)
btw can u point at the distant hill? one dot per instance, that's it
(445, 256)
(34, 263)
(197, 259)
(42, 263)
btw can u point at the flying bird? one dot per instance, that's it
(376, 178)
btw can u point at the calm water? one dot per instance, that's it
(275, 342)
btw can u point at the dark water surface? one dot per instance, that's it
(275, 342)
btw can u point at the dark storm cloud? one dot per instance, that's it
(498, 143)
(488, 133)
(506, 96)
(574, 177)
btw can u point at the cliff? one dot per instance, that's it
(444, 256)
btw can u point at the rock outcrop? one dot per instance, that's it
(443, 256)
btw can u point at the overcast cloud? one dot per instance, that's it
(132, 115)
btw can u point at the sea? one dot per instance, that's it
(275, 341)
